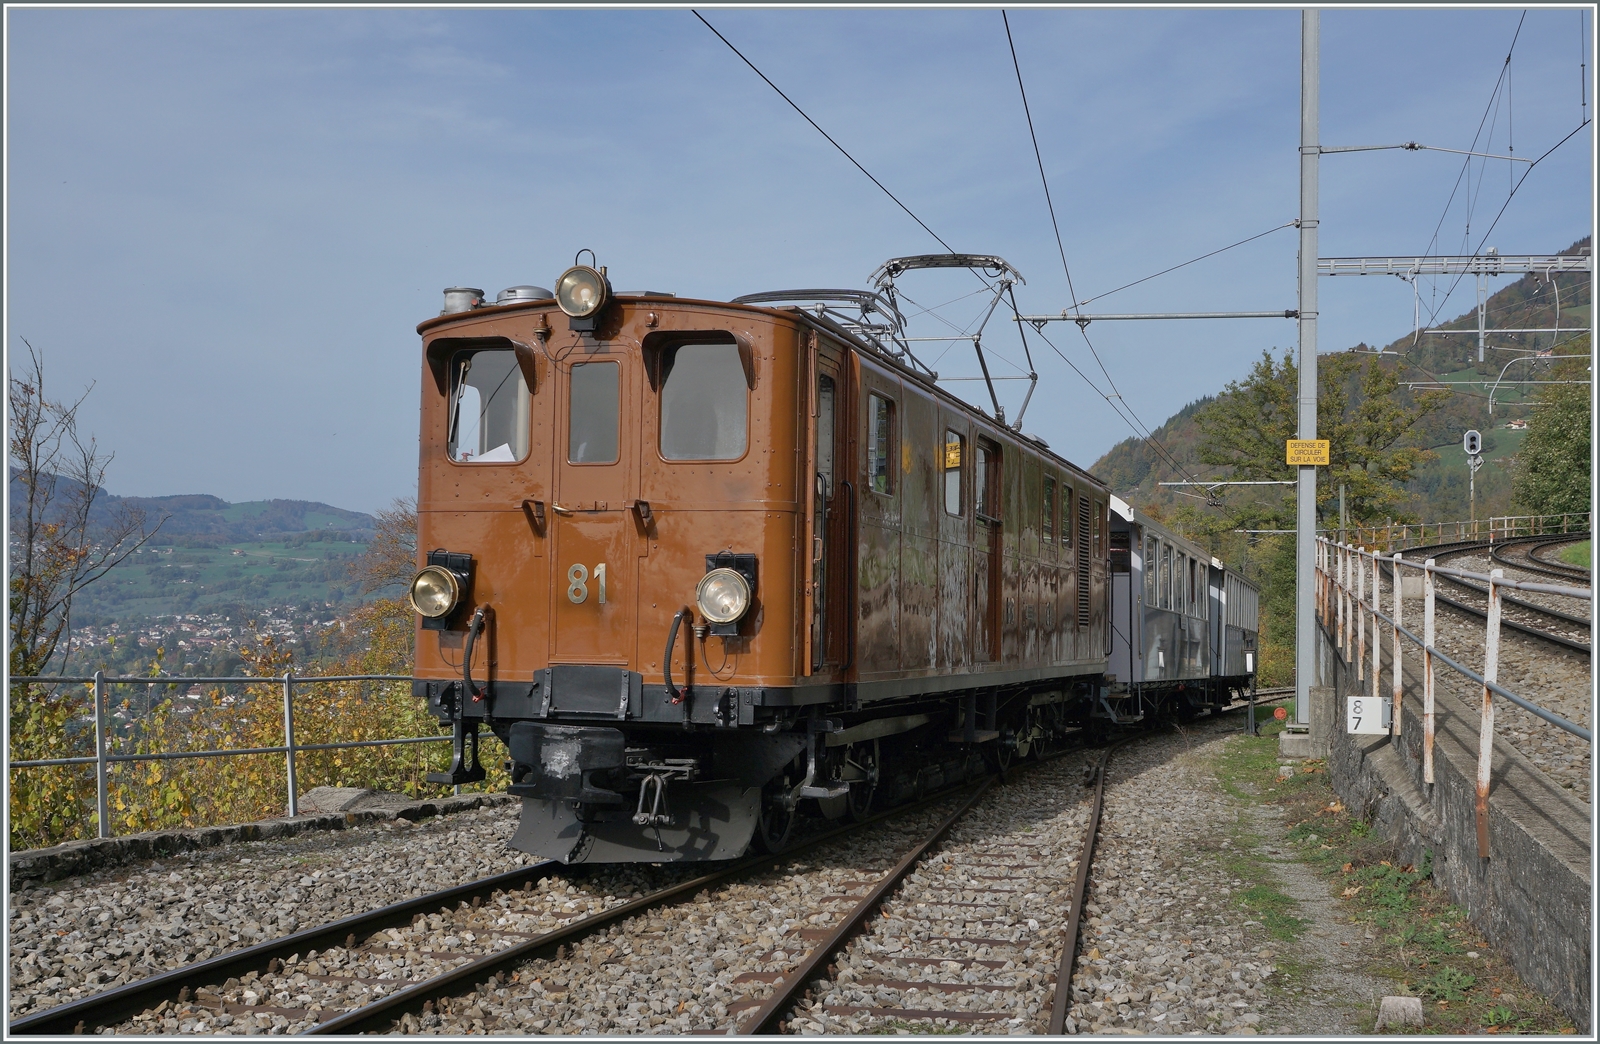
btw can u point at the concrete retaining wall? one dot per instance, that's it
(39, 865)
(1532, 897)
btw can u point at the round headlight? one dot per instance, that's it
(434, 592)
(581, 291)
(723, 596)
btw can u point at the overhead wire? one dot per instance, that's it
(1192, 260)
(822, 132)
(1501, 213)
(1494, 95)
(1142, 429)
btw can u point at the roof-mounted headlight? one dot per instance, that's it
(434, 592)
(723, 596)
(582, 291)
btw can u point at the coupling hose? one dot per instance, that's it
(473, 630)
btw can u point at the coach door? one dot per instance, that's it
(827, 502)
(986, 594)
(593, 568)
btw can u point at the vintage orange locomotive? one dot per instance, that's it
(705, 566)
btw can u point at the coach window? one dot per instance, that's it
(705, 403)
(1066, 517)
(1179, 561)
(1166, 576)
(489, 407)
(954, 457)
(881, 443)
(1151, 572)
(1099, 539)
(593, 406)
(1049, 510)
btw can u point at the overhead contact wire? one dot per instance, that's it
(822, 132)
(1148, 436)
(1040, 160)
(1494, 96)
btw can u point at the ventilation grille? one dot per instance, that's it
(1083, 561)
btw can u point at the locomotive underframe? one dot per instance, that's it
(647, 779)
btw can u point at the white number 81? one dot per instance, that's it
(578, 582)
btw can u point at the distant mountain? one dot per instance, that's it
(201, 520)
(1439, 490)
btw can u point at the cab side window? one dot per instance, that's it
(954, 458)
(1049, 522)
(881, 443)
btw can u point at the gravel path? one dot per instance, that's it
(85, 934)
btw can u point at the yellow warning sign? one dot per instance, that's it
(1306, 452)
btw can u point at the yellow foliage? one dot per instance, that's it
(52, 805)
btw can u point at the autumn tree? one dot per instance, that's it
(59, 544)
(1362, 412)
(1366, 417)
(1551, 475)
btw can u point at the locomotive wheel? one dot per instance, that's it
(1002, 751)
(861, 791)
(1024, 744)
(774, 827)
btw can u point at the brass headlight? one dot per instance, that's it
(434, 592)
(581, 291)
(723, 596)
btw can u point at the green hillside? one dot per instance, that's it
(167, 578)
(1439, 489)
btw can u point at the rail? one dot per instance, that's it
(1343, 606)
(1393, 535)
(102, 759)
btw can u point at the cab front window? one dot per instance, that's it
(705, 403)
(489, 408)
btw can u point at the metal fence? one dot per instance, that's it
(1343, 605)
(102, 758)
(1392, 535)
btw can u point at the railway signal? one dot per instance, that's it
(1472, 443)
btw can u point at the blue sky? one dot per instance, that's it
(232, 220)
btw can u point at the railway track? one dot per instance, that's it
(360, 955)
(1531, 560)
(1553, 626)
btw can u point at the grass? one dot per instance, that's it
(1577, 554)
(1425, 943)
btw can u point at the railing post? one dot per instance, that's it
(1399, 597)
(1377, 637)
(1491, 673)
(1339, 599)
(288, 740)
(1361, 615)
(102, 798)
(1427, 671)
